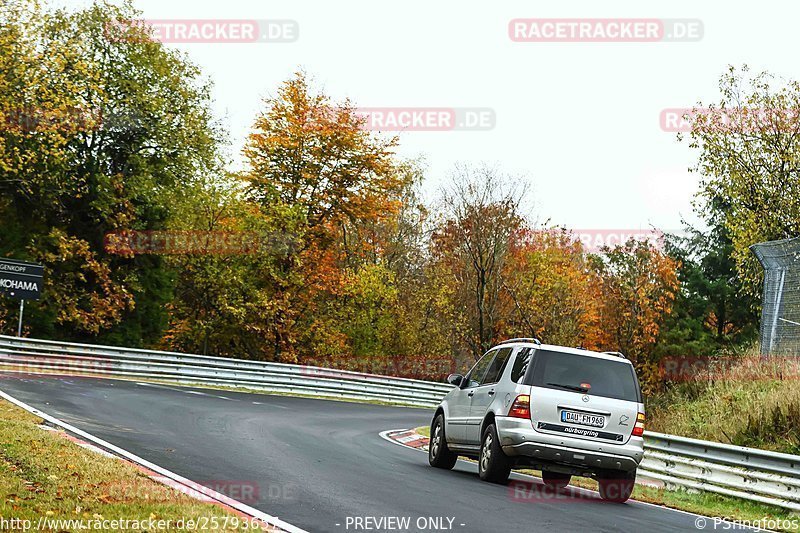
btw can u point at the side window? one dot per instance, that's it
(521, 364)
(496, 368)
(475, 375)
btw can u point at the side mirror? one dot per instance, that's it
(455, 379)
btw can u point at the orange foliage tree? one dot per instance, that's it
(312, 164)
(472, 243)
(639, 286)
(554, 290)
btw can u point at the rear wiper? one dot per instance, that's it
(576, 388)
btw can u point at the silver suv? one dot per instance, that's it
(564, 411)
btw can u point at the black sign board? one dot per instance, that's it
(21, 280)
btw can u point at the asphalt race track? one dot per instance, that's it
(314, 463)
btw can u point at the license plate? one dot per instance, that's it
(583, 419)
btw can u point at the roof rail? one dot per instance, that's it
(522, 339)
(618, 354)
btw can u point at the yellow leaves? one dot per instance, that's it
(555, 290)
(640, 284)
(312, 153)
(81, 285)
(618, 304)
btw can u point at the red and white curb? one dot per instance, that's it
(407, 437)
(158, 473)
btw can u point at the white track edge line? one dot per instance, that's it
(221, 498)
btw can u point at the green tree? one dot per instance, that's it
(711, 310)
(101, 130)
(749, 160)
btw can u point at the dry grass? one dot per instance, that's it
(747, 401)
(42, 474)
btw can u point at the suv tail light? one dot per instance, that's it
(638, 429)
(521, 408)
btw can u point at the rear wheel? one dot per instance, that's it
(617, 486)
(439, 455)
(556, 480)
(493, 465)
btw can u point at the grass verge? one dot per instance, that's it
(45, 476)
(703, 503)
(747, 401)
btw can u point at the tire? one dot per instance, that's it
(439, 455)
(555, 480)
(493, 465)
(617, 487)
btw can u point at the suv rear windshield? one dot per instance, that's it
(602, 377)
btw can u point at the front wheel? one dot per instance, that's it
(439, 455)
(493, 465)
(617, 487)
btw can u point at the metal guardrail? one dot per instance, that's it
(749, 473)
(756, 475)
(39, 355)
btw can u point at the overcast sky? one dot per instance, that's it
(579, 120)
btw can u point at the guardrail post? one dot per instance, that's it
(21, 311)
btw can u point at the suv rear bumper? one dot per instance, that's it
(519, 439)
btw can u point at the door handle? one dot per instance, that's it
(471, 393)
(491, 392)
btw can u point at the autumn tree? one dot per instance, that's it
(217, 287)
(106, 130)
(554, 290)
(425, 324)
(639, 285)
(480, 217)
(314, 165)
